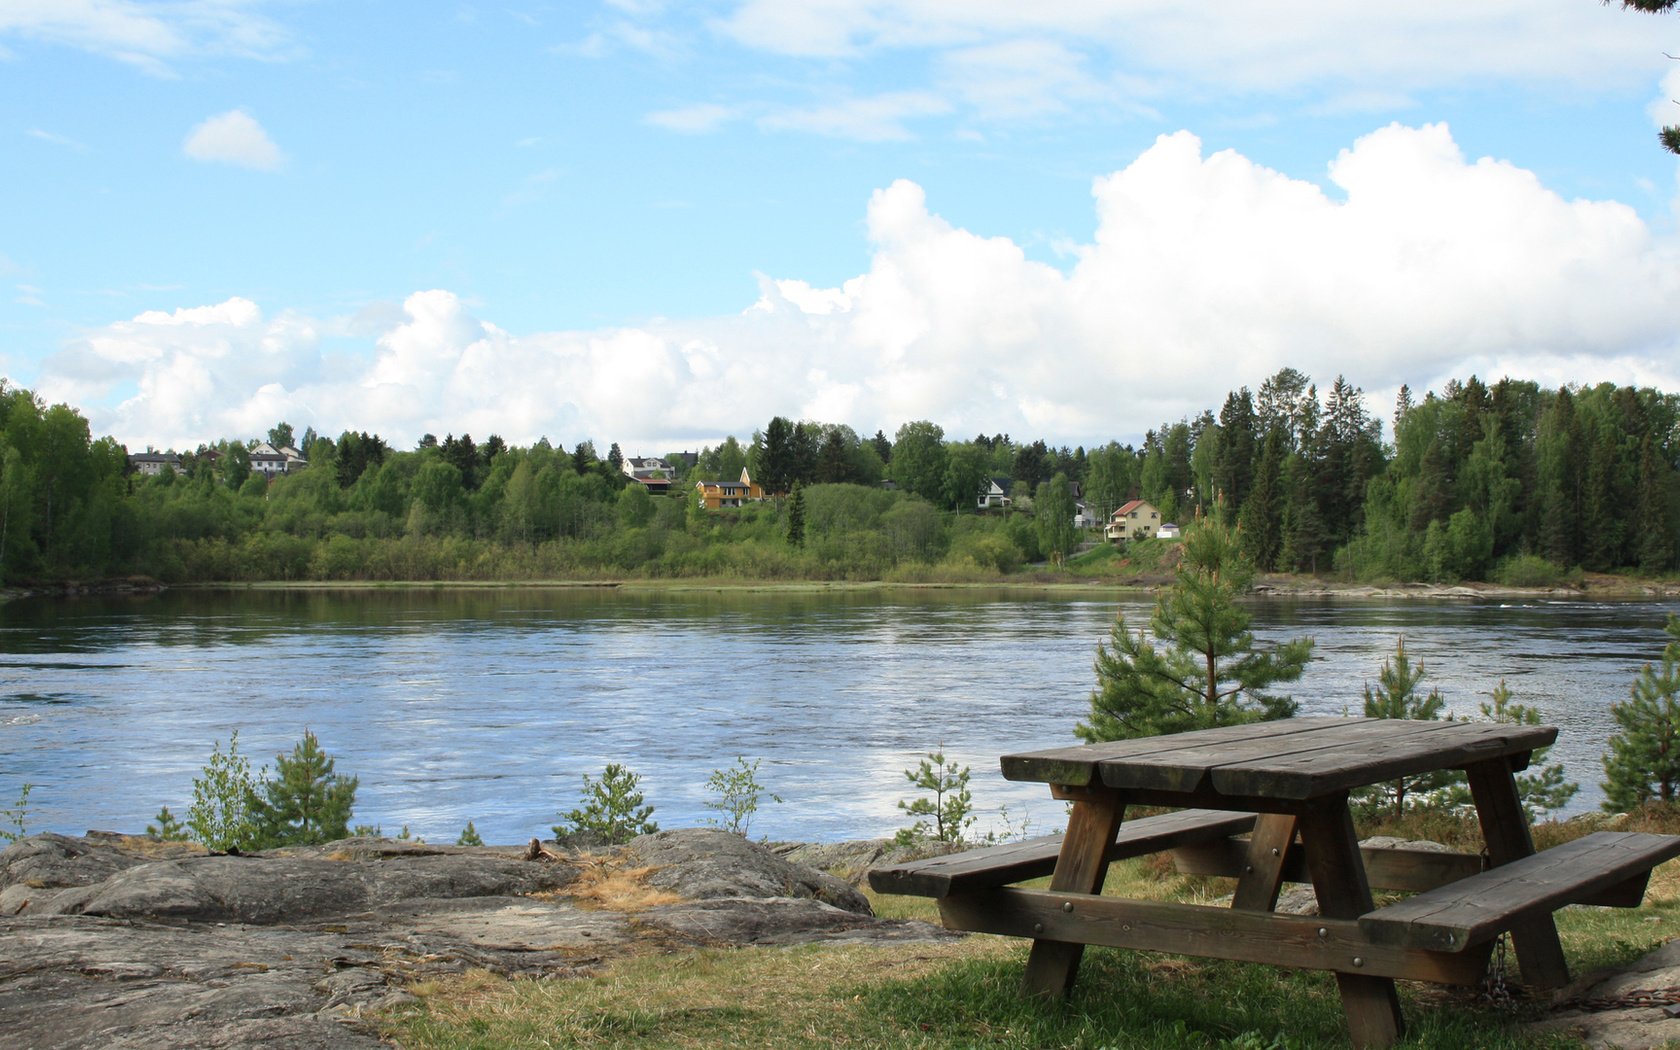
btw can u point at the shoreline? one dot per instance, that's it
(1593, 587)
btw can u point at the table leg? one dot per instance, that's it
(1081, 867)
(1338, 874)
(1493, 786)
(1262, 877)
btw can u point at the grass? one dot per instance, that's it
(967, 993)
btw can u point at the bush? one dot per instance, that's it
(220, 816)
(307, 803)
(738, 794)
(1531, 570)
(16, 816)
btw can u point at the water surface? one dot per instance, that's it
(489, 705)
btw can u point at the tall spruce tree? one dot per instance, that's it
(1199, 666)
(1642, 760)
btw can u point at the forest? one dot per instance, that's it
(1509, 482)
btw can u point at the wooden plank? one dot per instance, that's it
(1297, 941)
(1034, 858)
(1371, 1004)
(1374, 755)
(1386, 867)
(1477, 909)
(1077, 765)
(1081, 868)
(1262, 870)
(1493, 787)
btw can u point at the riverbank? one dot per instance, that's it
(1591, 586)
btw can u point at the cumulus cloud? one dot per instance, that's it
(1206, 272)
(234, 138)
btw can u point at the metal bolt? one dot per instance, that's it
(1067, 906)
(1358, 961)
(1322, 932)
(1274, 851)
(1038, 927)
(1248, 868)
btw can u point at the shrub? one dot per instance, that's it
(306, 803)
(16, 816)
(1530, 570)
(738, 795)
(220, 816)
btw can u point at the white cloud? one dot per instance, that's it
(1206, 272)
(693, 120)
(147, 35)
(878, 118)
(56, 140)
(235, 138)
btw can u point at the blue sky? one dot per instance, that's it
(657, 223)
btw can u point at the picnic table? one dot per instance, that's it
(1267, 802)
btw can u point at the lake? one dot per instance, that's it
(490, 704)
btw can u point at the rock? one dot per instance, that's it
(115, 941)
(1629, 1026)
(701, 863)
(852, 860)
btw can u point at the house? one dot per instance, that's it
(151, 464)
(1169, 531)
(1135, 520)
(994, 492)
(652, 473)
(715, 494)
(269, 461)
(1082, 518)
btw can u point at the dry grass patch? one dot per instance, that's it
(606, 882)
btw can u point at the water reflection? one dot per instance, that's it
(490, 704)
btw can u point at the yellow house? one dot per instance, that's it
(716, 494)
(1137, 520)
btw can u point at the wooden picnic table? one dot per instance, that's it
(1287, 783)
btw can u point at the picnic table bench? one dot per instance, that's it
(1268, 803)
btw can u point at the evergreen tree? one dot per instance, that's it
(1201, 667)
(1642, 760)
(796, 515)
(611, 809)
(1262, 513)
(1560, 471)
(306, 803)
(1234, 467)
(1396, 696)
(1542, 788)
(1669, 136)
(1651, 522)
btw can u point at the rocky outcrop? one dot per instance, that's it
(114, 941)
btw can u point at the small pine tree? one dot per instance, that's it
(1396, 696)
(167, 828)
(224, 793)
(306, 803)
(469, 834)
(1542, 788)
(1642, 761)
(1202, 668)
(611, 809)
(951, 806)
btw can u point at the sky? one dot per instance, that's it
(656, 224)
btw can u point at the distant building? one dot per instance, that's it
(151, 464)
(716, 494)
(269, 461)
(652, 473)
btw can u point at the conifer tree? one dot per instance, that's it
(1642, 761)
(306, 803)
(796, 515)
(1396, 696)
(1542, 788)
(1202, 667)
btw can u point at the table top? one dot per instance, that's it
(1292, 759)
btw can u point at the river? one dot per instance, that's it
(490, 704)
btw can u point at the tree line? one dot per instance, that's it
(1509, 481)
